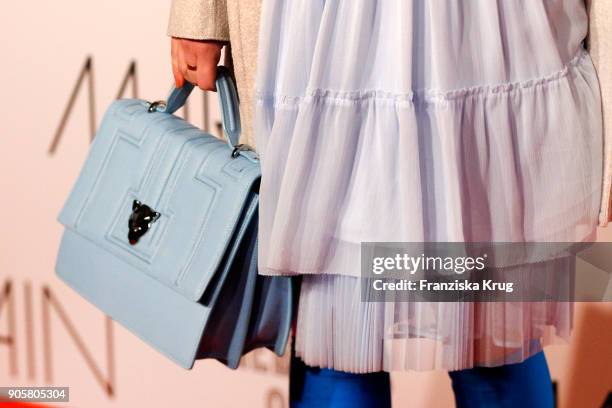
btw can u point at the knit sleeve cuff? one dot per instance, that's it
(199, 20)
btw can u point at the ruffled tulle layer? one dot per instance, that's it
(509, 163)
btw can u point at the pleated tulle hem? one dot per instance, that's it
(337, 329)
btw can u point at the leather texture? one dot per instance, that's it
(189, 286)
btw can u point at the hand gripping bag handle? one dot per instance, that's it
(228, 101)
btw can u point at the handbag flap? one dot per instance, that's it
(188, 179)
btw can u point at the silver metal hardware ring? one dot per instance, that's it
(154, 105)
(238, 148)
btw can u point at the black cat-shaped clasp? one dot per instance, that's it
(140, 221)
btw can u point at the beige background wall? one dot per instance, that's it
(48, 334)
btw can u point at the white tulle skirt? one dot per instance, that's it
(396, 120)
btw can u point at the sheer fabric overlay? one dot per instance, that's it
(421, 121)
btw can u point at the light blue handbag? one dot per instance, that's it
(161, 233)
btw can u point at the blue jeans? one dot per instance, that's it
(525, 385)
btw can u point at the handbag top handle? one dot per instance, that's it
(228, 101)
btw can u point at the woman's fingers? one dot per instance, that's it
(179, 79)
(182, 63)
(207, 72)
(190, 54)
(191, 76)
(195, 61)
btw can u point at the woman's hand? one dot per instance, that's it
(195, 61)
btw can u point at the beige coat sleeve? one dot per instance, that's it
(600, 48)
(199, 20)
